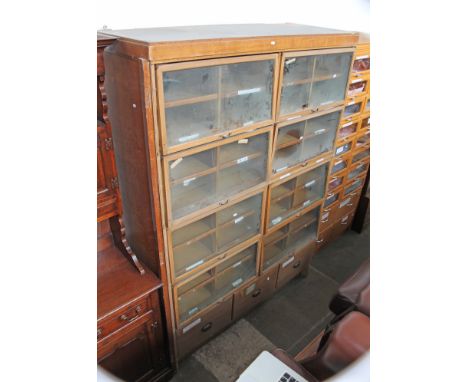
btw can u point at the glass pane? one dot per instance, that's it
(343, 148)
(208, 177)
(335, 182)
(193, 245)
(304, 140)
(331, 199)
(238, 223)
(242, 165)
(365, 124)
(205, 290)
(339, 165)
(352, 109)
(295, 195)
(357, 87)
(347, 129)
(313, 81)
(354, 186)
(319, 135)
(293, 236)
(247, 93)
(363, 140)
(204, 239)
(297, 80)
(360, 169)
(330, 78)
(200, 102)
(361, 64)
(360, 156)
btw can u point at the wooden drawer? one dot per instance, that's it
(122, 317)
(346, 205)
(198, 331)
(331, 233)
(254, 293)
(135, 353)
(294, 265)
(328, 217)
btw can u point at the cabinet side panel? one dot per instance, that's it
(126, 113)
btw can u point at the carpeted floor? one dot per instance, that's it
(289, 320)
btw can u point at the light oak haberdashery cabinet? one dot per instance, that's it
(350, 165)
(226, 147)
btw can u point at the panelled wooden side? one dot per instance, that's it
(129, 93)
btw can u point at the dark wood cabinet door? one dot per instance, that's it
(133, 355)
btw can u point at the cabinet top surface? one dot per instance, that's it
(208, 32)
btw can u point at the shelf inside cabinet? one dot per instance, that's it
(189, 257)
(189, 167)
(191, 233)
(232, 179)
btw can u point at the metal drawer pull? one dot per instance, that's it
(99, 332)
(297, 264)
(223, 202)
(207, 327)
(319, 241)
(256, 293)
(124, 317)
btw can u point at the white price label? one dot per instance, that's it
(237, 282)
(238, 220)
(248, 123)
(188, 181)
(285, 175)
(248, 91)
(345, 202)
(290, 61)
(250, 289)
(306, 203)
(194, 265)
(287, 262)
(276, 220)
(242, 160)
(189, 137)
(243, 141)
(319, 160)
(319, 131)
(339, 149)
(176, 162)
(191, 325)
(237, 264)
(308, 184)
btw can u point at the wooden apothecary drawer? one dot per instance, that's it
(328, 217)
(290, 238)
(203, 101)
(199, 292)
(341, 163)
(198, 331)
(256, 292)
(362, 139)
(353, 108)
(358, 169)
(331, 233)
(347, 204)
(304, 142)
(122, 317)
(359, 85)
(201, 179)
(295, 194)
(335, 181)
(344, 148)
(313, 81)
(347, 131)
(294, 264)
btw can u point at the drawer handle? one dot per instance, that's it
(304, 164)
(99, 332)
(297, 264)
(319, 241)
(207, 327)
(256, 293)
(324, 221)
(124, 317)
(345, 223)
(223, 202)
